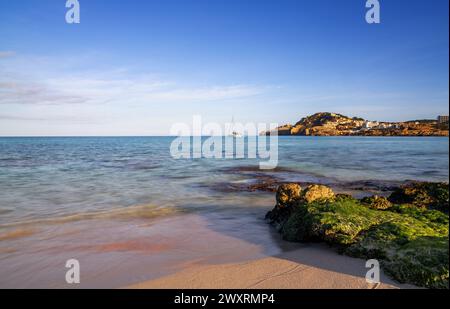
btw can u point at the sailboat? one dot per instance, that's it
(234, 133)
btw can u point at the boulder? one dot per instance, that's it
(287, 193)
(287, 196)
(317, 192)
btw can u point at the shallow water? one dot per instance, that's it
(48, 177)
(109, 200)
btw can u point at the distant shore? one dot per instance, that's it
(333, 124)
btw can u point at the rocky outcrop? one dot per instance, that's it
(410, 240)
(322, 124)
(333, 124)
(288, 195)
(423, 194)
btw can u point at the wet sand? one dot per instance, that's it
(116, 252)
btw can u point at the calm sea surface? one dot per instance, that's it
(52, 177)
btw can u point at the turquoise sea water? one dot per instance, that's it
(129, 212)
(52, 177)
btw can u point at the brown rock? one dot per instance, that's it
(317, 192)
(287, 193)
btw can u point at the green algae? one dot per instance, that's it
(410, 240)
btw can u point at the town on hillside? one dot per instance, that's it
(332, 124)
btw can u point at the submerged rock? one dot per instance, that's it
(410, 240)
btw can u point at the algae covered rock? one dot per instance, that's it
(411, 250)
(421, 261)
(377, 202)
(289, 198)
(287, 193)
(410, 242)
(343, 196)
(335, 222)
(423, 194)
(317, 192)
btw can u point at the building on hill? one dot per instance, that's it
(442, 119)
(370, 124)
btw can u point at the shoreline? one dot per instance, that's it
(223, 248)
(182, 251)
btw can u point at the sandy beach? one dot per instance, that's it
(313, 267)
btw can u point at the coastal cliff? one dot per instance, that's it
(332, 124)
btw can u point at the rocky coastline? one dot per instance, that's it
(406, 231)
(333, 124)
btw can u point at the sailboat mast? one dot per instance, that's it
(232, 124)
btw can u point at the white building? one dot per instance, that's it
(370, 124)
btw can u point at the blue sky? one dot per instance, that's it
(136, 67)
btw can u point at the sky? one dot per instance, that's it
(138, 67)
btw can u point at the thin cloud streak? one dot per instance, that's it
(92, 89)
(6, 54)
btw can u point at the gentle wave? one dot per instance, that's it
(132, 212)
(15, 234)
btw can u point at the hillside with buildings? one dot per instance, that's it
(332, 124)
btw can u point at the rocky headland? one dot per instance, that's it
(406, 231)
(332, 124)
